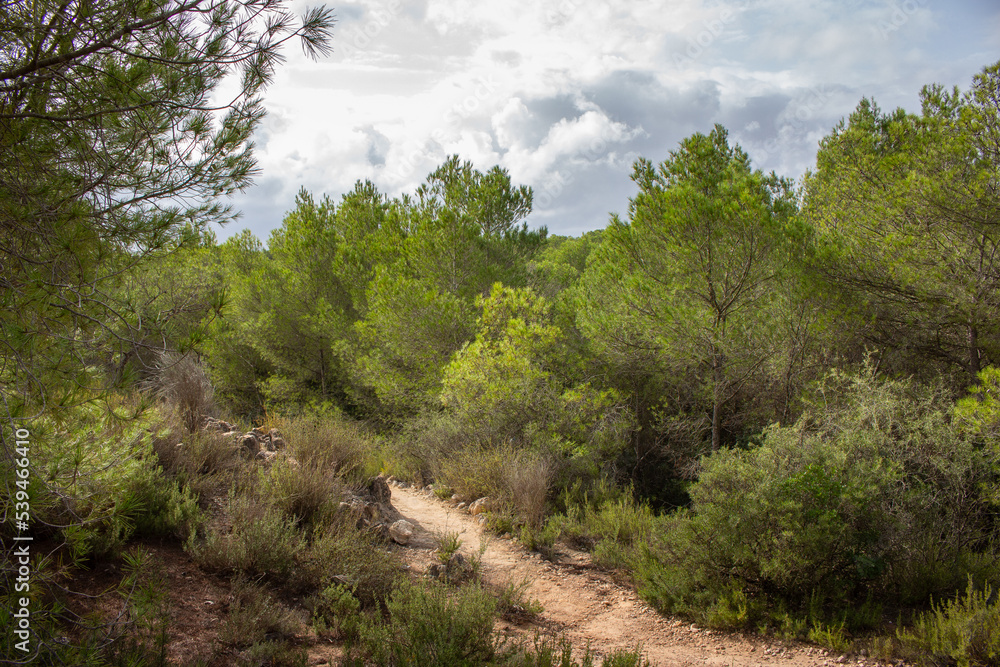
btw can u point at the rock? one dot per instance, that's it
(462, 506)
(479, 506)
(379, 489)
(249, 445)
(401, 531)
(266, 457)
(213, 424)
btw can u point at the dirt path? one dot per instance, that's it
(586, 604)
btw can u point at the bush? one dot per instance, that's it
(333, 444)
(879, 495)
(433, 626)
(513, 602)
(253, 615)
(336, 612)
(616, 528)
(546, 652)
(88, 481)
(965, 629)
(204, 461)
(169, 508)
(261, 540)
(185, 384)
(341, 553)
(306, 492)
(517, 481)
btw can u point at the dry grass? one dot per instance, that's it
(184, 383)
(516, 480)
(338, 446)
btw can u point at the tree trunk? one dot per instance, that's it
(717, 362)
(975, 358)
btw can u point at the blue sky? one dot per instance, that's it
(566, 94)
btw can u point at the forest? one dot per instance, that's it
(769, 405)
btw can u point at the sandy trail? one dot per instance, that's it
(586, 604)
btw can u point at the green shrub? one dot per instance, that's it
(336, 612)
(515, 480)
(547, 652)
(965, 629)
(433, 626)
(305, 492)
(340, 552)
(331, 444)
(513, 602)
(260, 541)
(864, 499)
(169, 508)
(615, 529)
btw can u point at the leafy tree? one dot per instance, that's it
(690, 278)
(462, 232)
(905, 210)
(113, 144)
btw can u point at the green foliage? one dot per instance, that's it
(116, 154)
(336, 612)
(342, 553)
(964, 629)
(615, 528)
(901, 218)
(448, 543)
(694, 274)
(169, 508)
(548, 652)
(307, 493)
(980, 411)
(262, 540)
(879, 495)
(513, 602)
(434, 626)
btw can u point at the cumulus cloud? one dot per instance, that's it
(565, 94)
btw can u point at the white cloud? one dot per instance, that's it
(573, 90)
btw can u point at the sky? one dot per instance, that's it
(566, 94)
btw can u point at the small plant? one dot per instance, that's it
(513, 602)
(448, 544)
(342, 553)
(965, 629)
(262, 540)
(305, 492)
(443, 492)
(546, 652)
(336, 612)
(253, 615)
(830, 635)
(434, 627)
(184, 383)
